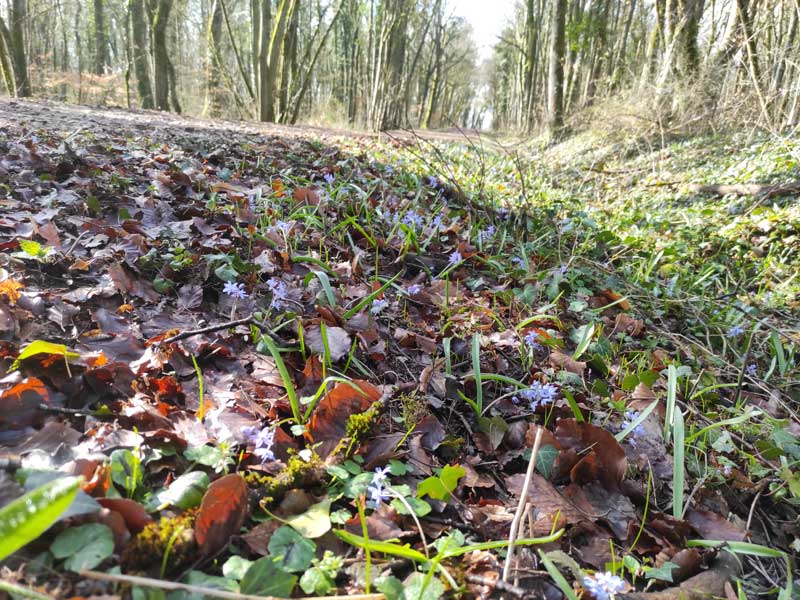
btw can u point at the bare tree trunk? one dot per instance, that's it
(555, 87)
(100, 39)
(19, 14)
(141, 62)
(265, 109)
(160, 10)
(214, 96)
(5, 62)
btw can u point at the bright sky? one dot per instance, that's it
(487, 18)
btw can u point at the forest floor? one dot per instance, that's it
(290, 361)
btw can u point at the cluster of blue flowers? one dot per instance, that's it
(262, 440)
(539, 394)
(377, 488)
(279, 293)
(378, 305)
(603, 586)
(638, 431)
(531, 340)
(234, 290)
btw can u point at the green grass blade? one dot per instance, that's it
(636, 422)
(476, 370)
(287, 380)
(672, 396)
(678, 450)
(370, 297)
(557, 577)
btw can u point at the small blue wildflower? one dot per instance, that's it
(603, 586)
(488, 233)
(530, 340)
(539, 394)
(381, 475)
(234, 290)
(262, 439)
(251, 201)
(735, 331)
(437, 222)
(412, 220)
(433, 182)
(378, 305)
(279, 292)
(414, 289)
(516, 260)
(562, 269)
(378, 494)
(455, 258)
(389, 170)
(329, 178)
(751, 369)
(283, 226)
(502, 212)
(638, 431)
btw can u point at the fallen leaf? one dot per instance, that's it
(222, 513)
(329, 420)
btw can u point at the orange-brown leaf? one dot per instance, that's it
(222, 513)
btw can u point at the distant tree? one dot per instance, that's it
(19, 15)
(100, 38)
(555, 86)
(141, 61)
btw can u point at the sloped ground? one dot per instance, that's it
(288, 361)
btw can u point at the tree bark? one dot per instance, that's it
(555, 87)
(141, 62)
(5, 60)
(22, 81)
(160, 10)
(100, 39)
(214, 96)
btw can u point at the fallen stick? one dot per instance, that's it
(205, 591)
(768, 190)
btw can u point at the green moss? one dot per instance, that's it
(298, 473)
(173, 535)
(360, 424)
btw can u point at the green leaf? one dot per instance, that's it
(266, 578)
(584, 336)
(236, 567)
(557, 577)
(186, 491)
(391, 587)
(20, 525)
(451, 541)
(417, 589)
(84, 547)
(292, 550)
(389, 548)
(545, 459)
(420, 507)
(313, 523)
(42, 347)
(662, 573)
(210, 456)
(126, 470)
(226, 273)
(316, 582)
(440, 487)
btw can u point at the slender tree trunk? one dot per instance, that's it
(265, 108)
(5, 58)
(214, 96)
(19, 14)
(100, 38)
(141, 61)
(555, 87)
(160, 10)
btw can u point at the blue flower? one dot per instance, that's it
(378, 494)
(455, 258)
(328, 177)
(530, 340)
(539, 394)
(378, 305)
(234, 290)
(414, 289)
(412, 220)
(735, 331)
(389, 169)
(433, 182)
(279, 292)
(516, 260)
(262, 439)
(487, 233)
(437, 222)
(381, 475)
(603, 585)
(638, 431)
(562, 269)
(283, 226)
(751, 369)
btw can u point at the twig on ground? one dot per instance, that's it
(250, 320)
(523, 501)
(204, 591)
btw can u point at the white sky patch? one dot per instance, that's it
(487, 18)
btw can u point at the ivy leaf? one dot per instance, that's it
(440, 487)
(293, 552)
(313, 523)
(266, 578)
(84, 547)
(186, 491)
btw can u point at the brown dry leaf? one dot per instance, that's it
(713, 526)
(19, 405)
(307, 195)
(643, 392)
(339, 341)
(610, 296)
(549, 502)
(222, 513)
(329, 421)
(593, 454)
(612, 507)
(564, 361)
(627, 324)
(134, 514)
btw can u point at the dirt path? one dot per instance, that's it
(71, 118)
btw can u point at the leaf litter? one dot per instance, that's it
(259, 351)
